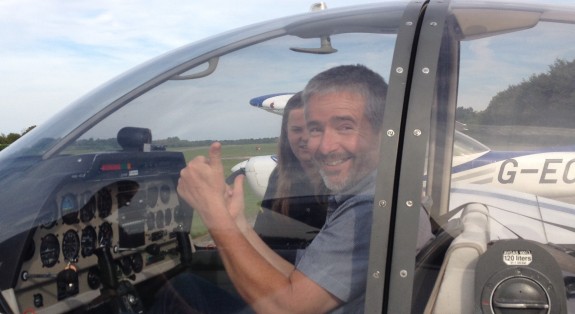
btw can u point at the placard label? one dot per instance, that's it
(517, 257)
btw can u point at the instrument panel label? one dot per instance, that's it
(524, 257)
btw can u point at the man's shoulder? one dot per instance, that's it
(360, 194)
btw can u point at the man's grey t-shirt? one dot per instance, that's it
(338, 257)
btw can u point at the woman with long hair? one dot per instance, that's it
(295, 188)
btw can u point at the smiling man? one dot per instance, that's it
(344, 113)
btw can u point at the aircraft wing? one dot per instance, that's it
(274, 103)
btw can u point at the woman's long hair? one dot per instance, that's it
(290, 169)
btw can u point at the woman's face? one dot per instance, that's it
(297, 135)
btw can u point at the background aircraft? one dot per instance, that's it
(549, 173)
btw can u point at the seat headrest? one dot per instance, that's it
(133, 138)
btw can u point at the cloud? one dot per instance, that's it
(54, 51)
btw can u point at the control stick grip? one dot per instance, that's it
(107, 269)
(185, 247)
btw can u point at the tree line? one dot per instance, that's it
(545, 100)
(112, 143)
(7, 139)
(172, 142)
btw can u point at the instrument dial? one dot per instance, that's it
(168, 216)
(137, 262)
(105, 234)
(165, 194)
(49, 215)
(88, 210)
(160, 219)
(104, 203)
(125, 264)
(71, 245)
(69, 208)
(49, 250)
(88, 241)
(152, 197)
(151, 221)
(94, 280)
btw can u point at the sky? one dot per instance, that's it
(55, 51)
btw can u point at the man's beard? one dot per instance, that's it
(334, 186)
(362, 165)
(335, 157)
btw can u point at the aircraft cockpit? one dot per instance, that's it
(477, 134)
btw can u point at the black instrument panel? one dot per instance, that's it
(87, 215)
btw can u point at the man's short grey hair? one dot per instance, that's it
(352, 78)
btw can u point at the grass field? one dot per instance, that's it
(231, 155)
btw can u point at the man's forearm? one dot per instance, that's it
(264, 285)
(272, 257)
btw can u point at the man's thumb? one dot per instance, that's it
(215, 155)
(239, 185)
